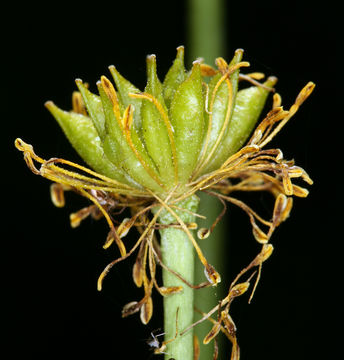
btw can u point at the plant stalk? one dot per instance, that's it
(206, 35)
(178, 254)
(206, 39)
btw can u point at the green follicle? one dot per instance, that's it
(94, 108)
(248, 107)
(154, 86)
(128, 159)
(222, 92)
(124, 88)
(155, 121)
(174, 77)
(187, 118)
(83, 136)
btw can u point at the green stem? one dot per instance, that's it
(178, 254)
(215, 249)
(206, 29)
(206, 39)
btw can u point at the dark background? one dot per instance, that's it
(52, 309)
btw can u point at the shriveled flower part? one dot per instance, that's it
(152, 150)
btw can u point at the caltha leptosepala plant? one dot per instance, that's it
(151, 152)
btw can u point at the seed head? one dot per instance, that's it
(152, 150)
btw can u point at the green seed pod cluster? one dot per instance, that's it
(152, 151)
(171, 133)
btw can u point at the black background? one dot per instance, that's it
(51, 308)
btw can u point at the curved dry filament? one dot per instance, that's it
(117, 239)
(222, 213)
(29, 154)
(142, 237)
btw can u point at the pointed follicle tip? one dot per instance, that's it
(49, 104)
(180, 52)
(199, 60)
(151, 57)
(271, 82)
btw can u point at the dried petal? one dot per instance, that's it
(239, 289)
(139, 268)
(131, 308)
(124, 227)
(57, 195)
(146, 311)
(283, 205)
(263, 255)
(109, 240)
(192, 225)
(300, 191)
(170, 290)
(256, 75)
(203, 233)
(228, 323)
(138, 273)
(259, 234)
(304, 94)
(212, 275)
(287, 184)
(76, 218)
(276, 100)
(212, 333)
